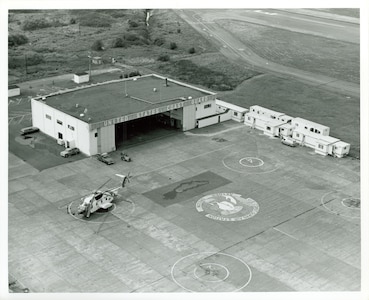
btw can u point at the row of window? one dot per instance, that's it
(59, 122)
(311, 129)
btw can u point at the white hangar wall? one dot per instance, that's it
(59, 125)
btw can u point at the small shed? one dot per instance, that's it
(97, 60)
(13, 90)
(81, 77)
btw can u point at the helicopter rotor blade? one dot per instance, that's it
(102, 185)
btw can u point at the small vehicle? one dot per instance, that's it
(105, 158)
(124, 156)
(28, 130)
(288, 141)
(69, 152)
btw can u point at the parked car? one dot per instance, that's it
(28, 130)
(105, 158)
(288, 141)
(69, 152)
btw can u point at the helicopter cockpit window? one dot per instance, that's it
(98, 196)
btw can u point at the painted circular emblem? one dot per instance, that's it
(211, 272)
(227, 207)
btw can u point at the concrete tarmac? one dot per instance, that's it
(285, 219)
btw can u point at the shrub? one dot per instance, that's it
(178, 30)
(191, 50)
(131, 37)
(132, 23)
(173, 46)
(163, 57)
(159, 41)
(118, 43)
(134, 73)
(29, 25)
(17, 39)
(97, 45)
(34, 59)
(72, 21)
(93, 19)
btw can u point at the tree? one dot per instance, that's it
(191, 50)
(97, 45)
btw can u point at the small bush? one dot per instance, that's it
(118, 43)
(72, 21)
(132, 24)
(173, 46)
(97, 45)
(30, 25)
(191, 50)
(134, 73)
(159, 42)
(178, 30)
(163, 57)
(93, 19)
(131, 37)
(34, 59)
(17, 39)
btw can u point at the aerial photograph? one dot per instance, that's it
(183, 150)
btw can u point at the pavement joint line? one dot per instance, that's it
(285, 233)
(212, 134)
(184, 160)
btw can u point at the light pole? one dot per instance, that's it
(89, 63)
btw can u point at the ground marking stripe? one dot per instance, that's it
(184, 160)
(285, 233)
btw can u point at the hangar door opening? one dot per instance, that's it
(147, 128)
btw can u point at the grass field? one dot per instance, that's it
(305, 52)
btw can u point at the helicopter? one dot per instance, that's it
(100, 199)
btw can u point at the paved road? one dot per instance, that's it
(233, 48)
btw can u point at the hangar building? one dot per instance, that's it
(97, 117)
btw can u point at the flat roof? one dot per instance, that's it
(108, 100)
(231, 106)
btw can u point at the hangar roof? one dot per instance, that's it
(108, 100)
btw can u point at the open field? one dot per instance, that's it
(299, 230)
(315, 54)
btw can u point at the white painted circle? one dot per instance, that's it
(249, 162)
(335, 211)
(211, 283)
(103, 221)
(210, 265)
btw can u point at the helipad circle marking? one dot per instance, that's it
(332, 211)
(210, 265)
(99, 222)
(345, 200)
(263, 167)
(208, 254)
(227, 207)
(251, 162)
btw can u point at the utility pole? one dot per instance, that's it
(25, 58)
(89, 63)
